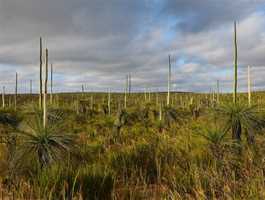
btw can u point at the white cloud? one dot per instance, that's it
(97, 42)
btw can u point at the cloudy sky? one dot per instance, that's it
(97, 42)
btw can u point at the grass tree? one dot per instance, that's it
(44, 144)
(217, 141)
(239, 116)
(121, 120)
(171, 116)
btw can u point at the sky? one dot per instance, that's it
(96, 43)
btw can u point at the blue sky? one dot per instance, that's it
(96, 43)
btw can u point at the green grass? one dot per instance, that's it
(131, 154)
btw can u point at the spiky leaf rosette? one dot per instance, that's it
(240, 116)
(172, 115)
(46, 145)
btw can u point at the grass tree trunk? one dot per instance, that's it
(3, 97)
(16, 92)
(40, 94)
(169, 81)
(45, 91)
(236, 131)
(235, 64)
(249, 87)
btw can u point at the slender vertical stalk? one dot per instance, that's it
(9, 101)
(249, 87)
(91, 102)
(145, 95)
(125, 92)
(57, 100)
(51, 95)
(191, 101)
(213, 97)
(3, 97)
(77, 107)
(149, 95)
(181, 101)
(83, 90)
(30, 85)
(160, 111)
(45, 92)
(218, 91)
(109, 102)
(130, 82)
(40, 94)
(169, 81)
(235, 64)
(16, 92)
